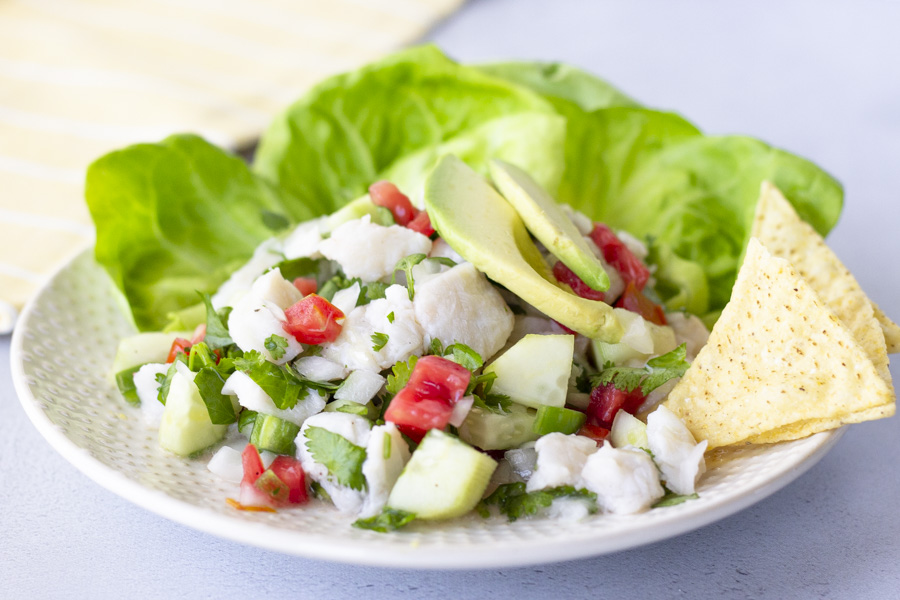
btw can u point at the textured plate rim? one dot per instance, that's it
(353, 551)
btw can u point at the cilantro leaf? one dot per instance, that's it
(217, 335)
(276, 345)
(406, 264)
(379, 340)
(390, 519)
(166, 381)
(400, 373)
(658, 371)
(278, 382)
(673, 499)
(342, 458)
(292, 268)
(209, 381)
(437, 347)
(390, 317)
(463, 355)
(513, 501)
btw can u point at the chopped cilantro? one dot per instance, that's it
(513, 501)
(406, 265)
(379, 340)
(292, 268)
(217, 335)
(390, 317)
(209, 381)
(658, 371)
(437, 348)
(400, 373)
(278, 382)
(673, 499)
(342, 458)
(276, 345)
(389, 519)
(463, 355)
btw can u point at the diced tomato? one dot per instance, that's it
(607, 400)
(183, 346)
(306, 285)
(426, 402)
(313, 320)
(565, 275)
(421, 223)
(414, 415)
(634, 300)
(619, 256)
(252, 463)
(288, 470)
(179, 346)
(386, 194)
(595, 432)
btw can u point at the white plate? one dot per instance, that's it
(64, 345)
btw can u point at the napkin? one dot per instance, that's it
(79, 78)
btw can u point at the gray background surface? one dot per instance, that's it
(821, 79)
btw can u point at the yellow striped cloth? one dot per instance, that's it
(81, 77)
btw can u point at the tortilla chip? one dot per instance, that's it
(777, 360)
(891, 330)
(781, 230)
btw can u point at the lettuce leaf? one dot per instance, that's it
(175, 218)
(415, 105)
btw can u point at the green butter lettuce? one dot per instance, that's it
(352, 129)
(177, 217)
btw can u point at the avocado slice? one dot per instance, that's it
(546, 221)
(485, 230)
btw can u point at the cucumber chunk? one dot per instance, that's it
(492, 431)
(628, 430)
(445, 478)
(185, 427)
(535, 370)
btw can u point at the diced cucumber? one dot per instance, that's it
(535, 370)
(550, 419)
(143, 348)
(274, 434)
(492, 431)
(185, 427)
(628, 430)
(445, 478)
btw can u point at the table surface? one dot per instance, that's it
(817, 78)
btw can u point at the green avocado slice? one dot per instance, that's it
(485, 230)
(546, 220)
